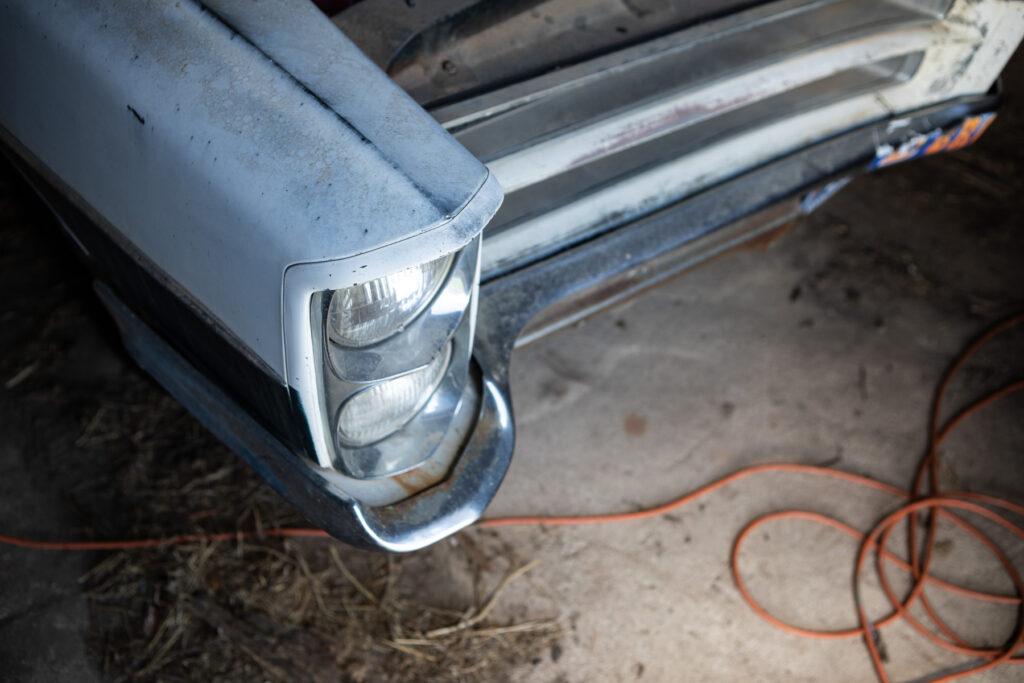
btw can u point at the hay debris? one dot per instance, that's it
(274, 609)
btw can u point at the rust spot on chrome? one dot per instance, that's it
(767, 240)
(648, 129)
(415, 481)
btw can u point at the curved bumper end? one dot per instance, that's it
(416, 522)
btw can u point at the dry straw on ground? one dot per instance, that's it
(276, 609)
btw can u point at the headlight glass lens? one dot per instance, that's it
(371, 312)
(384, 408)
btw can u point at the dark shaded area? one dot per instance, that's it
(451, 51)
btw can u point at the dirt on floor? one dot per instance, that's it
(823, 349)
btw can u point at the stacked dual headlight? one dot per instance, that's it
(396, 353)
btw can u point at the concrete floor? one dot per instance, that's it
(823, 349)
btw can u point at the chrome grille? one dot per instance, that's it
(604, 140)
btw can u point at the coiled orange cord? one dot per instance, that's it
(940, 503)
(945, 504)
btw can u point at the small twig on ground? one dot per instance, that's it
(21, 376)
(350, 577)
(410, 651)
(482, 613)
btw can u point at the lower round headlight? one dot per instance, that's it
(383, 408)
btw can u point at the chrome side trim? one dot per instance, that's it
(749, 88)
(650, 190)
(671, 113)
(419, 341)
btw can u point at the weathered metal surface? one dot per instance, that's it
(228, 148)
(446, 49)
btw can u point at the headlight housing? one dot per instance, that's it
(394, 363)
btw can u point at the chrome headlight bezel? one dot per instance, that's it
(341, 372)
(417, 439)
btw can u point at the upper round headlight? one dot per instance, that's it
(371, 312)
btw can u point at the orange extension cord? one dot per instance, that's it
(945, 504)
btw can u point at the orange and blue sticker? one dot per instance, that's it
(926, 144)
